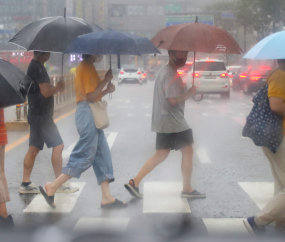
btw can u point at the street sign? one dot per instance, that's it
(204, 19)
(227, 15)
(173, 8)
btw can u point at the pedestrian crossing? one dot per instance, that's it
(64, 202)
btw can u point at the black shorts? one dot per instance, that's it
(174, 141)
(44, 133)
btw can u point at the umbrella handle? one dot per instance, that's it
(198, 100)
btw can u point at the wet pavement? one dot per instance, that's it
(229, 168)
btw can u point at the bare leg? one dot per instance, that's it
(106, 195)
(53, 186)
(29, 162)
(187, 168)
(56, 159)
(3, 210)
(150, 164)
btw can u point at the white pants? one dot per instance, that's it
(274, 211)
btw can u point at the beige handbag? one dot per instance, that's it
(100, 115)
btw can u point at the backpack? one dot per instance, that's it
(263, 126)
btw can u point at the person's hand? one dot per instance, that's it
(192, 91)
(61, 84)
(109, 75)
(110, 88)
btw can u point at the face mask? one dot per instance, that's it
(179, 62)
(99, 58)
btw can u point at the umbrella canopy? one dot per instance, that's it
(270, 48)
(51, 34)
(13, 85)
(196, 37)
(111, 42)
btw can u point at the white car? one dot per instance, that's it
(131, 75)
(211, 77)
(232, 70)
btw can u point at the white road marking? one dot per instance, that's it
(66, 153)
(128, 101)
(64, 202)
(105, 225)
(260, 192)
(130, 115)
(244, 138)
(203, 156)
(225, 226)
(111, 139)
(148, 115)
(205, 114)
(241, 114)
(208, 101)
(164, 197)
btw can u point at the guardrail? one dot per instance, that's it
(61, 98)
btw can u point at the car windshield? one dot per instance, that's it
(210, 66)
(234, 69)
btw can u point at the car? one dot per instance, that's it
(211, 77)
(255, 79)
(232, 70)
(183, 71)
(239, 78)
(131, 75)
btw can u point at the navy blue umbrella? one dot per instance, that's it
(111, 42)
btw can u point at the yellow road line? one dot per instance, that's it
(26, 137)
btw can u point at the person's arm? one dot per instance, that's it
(182, 98)
(277, 105)
(98, 91)
(48, 90)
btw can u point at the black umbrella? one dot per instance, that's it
(52, 34)
(13, 85)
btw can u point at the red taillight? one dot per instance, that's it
(139, 73)
(210, 61)
(243, 76)
(224, 75)
(144, 75)
(196, 75)
(265, 68)
(180, 72)
(121, 72)
(255, 78)
(231, 76)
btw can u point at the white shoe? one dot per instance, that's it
(31, 189)
(65, 188)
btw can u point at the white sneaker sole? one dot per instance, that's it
(29, 192)
(248, 227)
(192, 196)
(132, 191)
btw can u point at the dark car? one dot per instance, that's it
(256, 79)
(250, 79)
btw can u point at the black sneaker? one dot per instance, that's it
(252, 228)
(6, 222)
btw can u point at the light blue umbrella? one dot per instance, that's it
(270, 48)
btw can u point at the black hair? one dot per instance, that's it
(281, 61)
(86, 56)
(40, 52)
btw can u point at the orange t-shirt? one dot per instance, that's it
(276, 87)
(86, 81)
(3, 132)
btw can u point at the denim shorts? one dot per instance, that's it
(92, 148)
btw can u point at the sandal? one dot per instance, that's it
(133, 190)
(194, 194)
(115, 205)
(49, 199)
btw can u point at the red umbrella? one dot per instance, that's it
(196, 37)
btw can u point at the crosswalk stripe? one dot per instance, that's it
(111, 139)
(225, 226)
(130, 115)
(203, 156)
(64, 202)
(105, 225)
(260, 192)
(164, 197)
